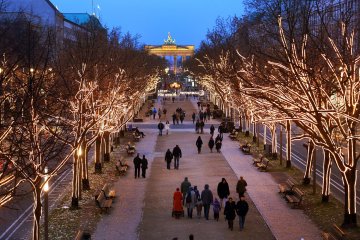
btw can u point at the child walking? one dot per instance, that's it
(216, 209)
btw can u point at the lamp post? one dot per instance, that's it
(46, 206)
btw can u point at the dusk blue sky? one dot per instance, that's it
(186, 20)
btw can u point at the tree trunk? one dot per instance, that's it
(98, 166)
(75, 182)
(240, 122)
(106, 137)
(85, 168)
(288, 144)
(349, 179)
(325, 192)
(274, 141)
(309, 161)
(36, 212)
(264, 136)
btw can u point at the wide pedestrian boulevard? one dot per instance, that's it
(143, 209)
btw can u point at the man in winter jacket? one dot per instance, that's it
(177, 155)
(137, 165)
(190, 201)
(207, 199)
(144, 166)
(242, 207)
(241, 187)
(168, 158)
(185, 185)
(160, 127)
(223, 190)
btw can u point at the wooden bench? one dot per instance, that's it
(287, 187)
(81, 235)
(263, 165)
(296, 198)
(108, 193)
(328, 236)
(130, 150)
(233, 135)
(138, 120)
(136, 137)
(102, 202)
(245, 148)
(338, 232)
(258, 160)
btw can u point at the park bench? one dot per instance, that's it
(337, 234)
(82, 235)
(136, 137)
(263, 165)
(102, 202)
(121, 167)
(258, 160)
(245, 148)
(108, 193)
(138, 120)
(296, 198)
(130, 150)
(287, 187)
(233, 135)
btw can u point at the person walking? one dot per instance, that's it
(160, 127)
(207, 199)
(177, 155)
(197, 126)
(168, 158)
(190, 199)
(144, 166)
(202, 124)
(154, 112)
(212, 130)
(229, 212)
(182, 117)
(159, 113)
(193, 116)
(177, 206)
(167, 127)
(198, 202)
(223, 191)
(242, 208)
(218, 145)
(216, 209)
(184, 187)
(137, 165)
(211, 144)
(241, 187)
(221, 130)
(174, 118)
(199, 144)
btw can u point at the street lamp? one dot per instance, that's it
(46, 205)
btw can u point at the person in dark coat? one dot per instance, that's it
(202, 124)
(168, 158)
(211, 144)
(137, 165)
(207, 200)
(174, 118)
(229, 213)
(177, 155)
(218, 145)
(160, 127)
(241, 187)
(212, 130)
(193, 116)
(197, 126)
(223, 190)
(199, 144)
(242, 208)
(144, 166)
(218, 138)
(221, 130)
(185, 188)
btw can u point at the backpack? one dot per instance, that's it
(188, 197)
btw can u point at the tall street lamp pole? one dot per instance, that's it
(46, 206)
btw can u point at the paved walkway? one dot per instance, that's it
(143, 209)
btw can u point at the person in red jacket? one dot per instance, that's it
(177, 204)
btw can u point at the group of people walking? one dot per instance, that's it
(140, 163)
(176, 154)
(191, 198)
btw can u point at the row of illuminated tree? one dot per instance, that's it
(59, 99)
(287, 65)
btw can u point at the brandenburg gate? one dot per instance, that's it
(169, 48)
